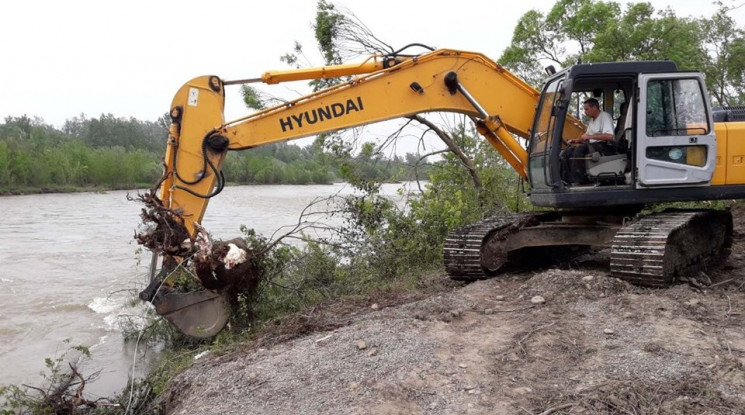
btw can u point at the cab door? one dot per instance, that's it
(541, 141)
(676, 144)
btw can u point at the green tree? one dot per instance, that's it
(600, 31)
(725, 43)
(4, 164)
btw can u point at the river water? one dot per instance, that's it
(69, 265)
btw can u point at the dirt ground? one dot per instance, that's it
(566, 340)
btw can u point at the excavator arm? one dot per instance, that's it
(383, 88)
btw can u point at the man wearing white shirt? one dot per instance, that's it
(599, 136)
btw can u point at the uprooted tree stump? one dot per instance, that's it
(224, 266)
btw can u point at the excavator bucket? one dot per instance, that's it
(198, 314)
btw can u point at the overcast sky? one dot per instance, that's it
(63, 58)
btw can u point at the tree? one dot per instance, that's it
(340, 36)
(23, 124)
(725, 44)
(599, 31)
(111, 131)
(643, 34)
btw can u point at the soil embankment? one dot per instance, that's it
(558, 341)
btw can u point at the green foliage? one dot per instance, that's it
(643, 34)
(283, 163)
(169, 365)
(17, 400)
(726, 71)
(59, 385)
(292, 57)
(252, 98)
(380, 245)
(110, 131)
(326, 31)
(604, 31)
(450, 199)
(37, 156)
(278, 164)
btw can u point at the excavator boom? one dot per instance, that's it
(200, 135)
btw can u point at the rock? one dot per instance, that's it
(361, 345)
(537, 300)
(375, 306)
(693, 302)
(488, 311)
(588, 278)
(499, 298)
(462, 366)
(608, 331)
(372, 352)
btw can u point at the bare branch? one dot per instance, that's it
(464, 159)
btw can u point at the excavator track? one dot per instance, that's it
(657, 249)
(463, 247)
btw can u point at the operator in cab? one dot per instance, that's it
(598, 137)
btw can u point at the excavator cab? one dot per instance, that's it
(663, 135)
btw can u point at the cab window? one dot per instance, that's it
(675, 107)
(545, 120)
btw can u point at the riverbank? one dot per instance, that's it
(28, 190)
(70, 269)
(564, 340)
(490, 347)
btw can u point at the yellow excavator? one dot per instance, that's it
(670, 145)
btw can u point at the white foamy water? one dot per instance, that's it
(103, 305)
(112, 310)
(68, 266)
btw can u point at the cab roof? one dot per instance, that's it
(613, 68)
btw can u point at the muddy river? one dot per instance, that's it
(69, 266)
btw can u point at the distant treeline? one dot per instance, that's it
(118, 153)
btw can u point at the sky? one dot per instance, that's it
(64, 58)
